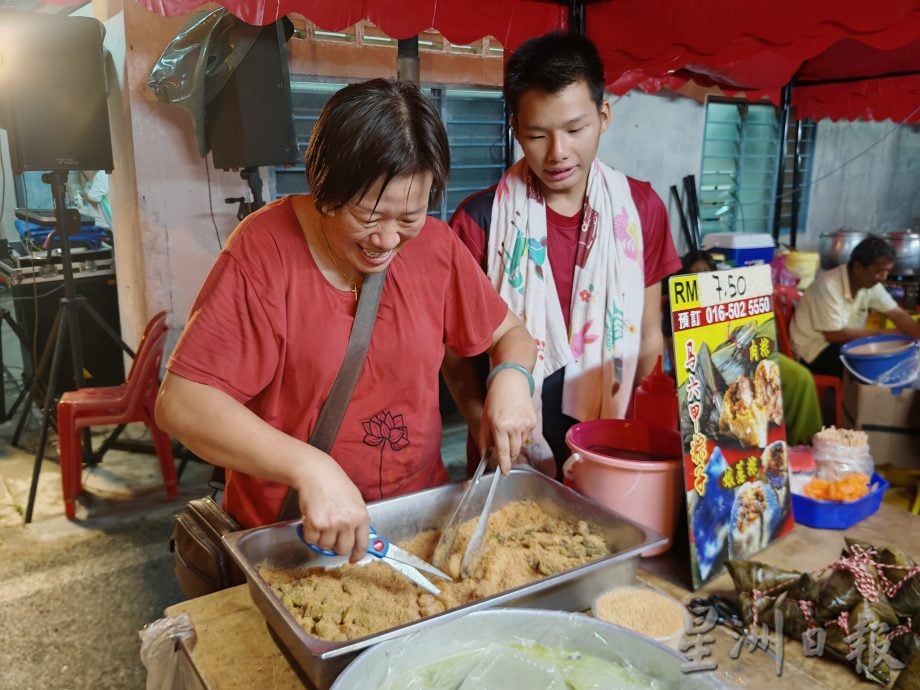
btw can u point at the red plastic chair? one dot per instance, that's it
(785, 297)
(132, 401)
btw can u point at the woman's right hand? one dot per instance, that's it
(334, 514)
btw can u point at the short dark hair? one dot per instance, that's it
(694, 255)
(870, 249)
(552, 62)
(376, 129)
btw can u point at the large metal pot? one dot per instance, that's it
(906, 245)
(835, 247)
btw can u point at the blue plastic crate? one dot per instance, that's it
(836, 514)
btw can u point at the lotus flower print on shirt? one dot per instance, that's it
(385, 429)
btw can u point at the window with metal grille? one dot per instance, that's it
(474, 120)
(741, 146)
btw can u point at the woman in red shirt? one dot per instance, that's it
(267, 333)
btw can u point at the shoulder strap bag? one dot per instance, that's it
(201, 563)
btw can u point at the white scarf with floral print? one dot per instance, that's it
(601, 348)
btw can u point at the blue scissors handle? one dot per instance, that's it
(376, 546)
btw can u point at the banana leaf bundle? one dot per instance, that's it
(906, 641)
(909, 678)
(900, 570)
(751, 576)
(731, 358)
(841, 645)
(857, 614)
(906, 600)
(712, 390)
(838, 594)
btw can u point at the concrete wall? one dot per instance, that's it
(657, 138)
(173, 206)
(866, 176)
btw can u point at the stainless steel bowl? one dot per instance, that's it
(835, 247)
(906, 245)
(554, 629)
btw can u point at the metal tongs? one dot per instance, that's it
(379, 547)
(464, 512)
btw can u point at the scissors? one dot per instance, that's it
(380, 547)
(726, 611)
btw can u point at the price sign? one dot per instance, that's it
(736, 468)
(734, 284)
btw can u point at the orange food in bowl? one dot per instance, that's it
(850, 488)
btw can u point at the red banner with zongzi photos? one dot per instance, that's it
(736, 467)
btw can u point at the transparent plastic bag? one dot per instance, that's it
(835, 461)
(903, 374)
(781, 273)
(197, 63)
(160, 653)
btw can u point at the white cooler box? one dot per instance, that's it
(739, 248)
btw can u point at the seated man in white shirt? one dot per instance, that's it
(833, 310)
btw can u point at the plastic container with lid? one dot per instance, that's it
(655, 400)
(644, 610)
(741, 249)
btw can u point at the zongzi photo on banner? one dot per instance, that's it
(736, 465)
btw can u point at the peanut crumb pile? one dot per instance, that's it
(640, 609)
(522, 544)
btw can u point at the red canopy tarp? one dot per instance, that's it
(754, 46)
(758, 47)
(461, 22)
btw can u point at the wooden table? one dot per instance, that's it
(233, 649)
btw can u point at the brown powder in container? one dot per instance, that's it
(644, 610)
(523, 543)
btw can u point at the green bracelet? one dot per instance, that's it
(511, 365)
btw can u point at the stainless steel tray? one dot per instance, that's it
(402, 518)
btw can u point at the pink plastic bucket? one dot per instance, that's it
(647, 491)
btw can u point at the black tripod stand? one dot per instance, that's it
(66, 324)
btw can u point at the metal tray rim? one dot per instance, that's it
(325, 650)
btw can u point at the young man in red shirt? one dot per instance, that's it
(576, 248)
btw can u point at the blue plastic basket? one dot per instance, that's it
(836, 514)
